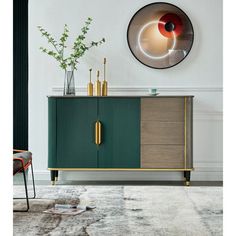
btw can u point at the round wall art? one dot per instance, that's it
(160, 35)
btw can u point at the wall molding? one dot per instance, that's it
(144, 89)
(207, 116)
(198, 114)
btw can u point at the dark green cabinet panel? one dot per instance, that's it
(52, 132)
(120, 118)
(72, 133)
(75, 133)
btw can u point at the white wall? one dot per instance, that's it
(200, 74)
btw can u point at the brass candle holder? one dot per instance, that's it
(104, 83)
(90, 84)
(98, 85)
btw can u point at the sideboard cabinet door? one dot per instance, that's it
(75, 119)
(120, 119)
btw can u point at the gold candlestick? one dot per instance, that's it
(90, 84)
(98, 85)
(104, 88)
(104, 83)
(104, 63)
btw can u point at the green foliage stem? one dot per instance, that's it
(78, 50)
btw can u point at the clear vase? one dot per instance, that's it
(69, 84)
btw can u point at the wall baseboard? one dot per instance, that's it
(202, 172)
(134, 176)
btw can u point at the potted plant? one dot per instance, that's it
(69, 63)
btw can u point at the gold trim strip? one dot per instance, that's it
(185, 132)
(120, 169)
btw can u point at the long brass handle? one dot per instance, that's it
(98, 133)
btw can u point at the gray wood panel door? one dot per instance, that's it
(166, 133)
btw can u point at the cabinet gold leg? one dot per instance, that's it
(187, 183)
(187, 177)
(53, 182)
(56, 178)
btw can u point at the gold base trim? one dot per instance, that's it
(53, 182)
(119, 169)
(56, 178)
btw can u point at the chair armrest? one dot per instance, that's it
(18, 150)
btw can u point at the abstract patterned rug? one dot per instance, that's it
(123, 210)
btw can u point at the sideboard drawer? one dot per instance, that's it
(162, 156)
(153, 132)
(162, 109)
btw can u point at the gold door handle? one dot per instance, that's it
(98, 133)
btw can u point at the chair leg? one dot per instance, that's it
(33, 186)
(33, 180)
(26, 194)
(26, 190)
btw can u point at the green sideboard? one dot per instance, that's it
(125, 133)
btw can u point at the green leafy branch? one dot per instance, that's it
(79, 47)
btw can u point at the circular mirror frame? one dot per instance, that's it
(154, 3)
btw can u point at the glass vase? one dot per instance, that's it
(69, 84)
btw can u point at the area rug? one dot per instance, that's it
(123, 210)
